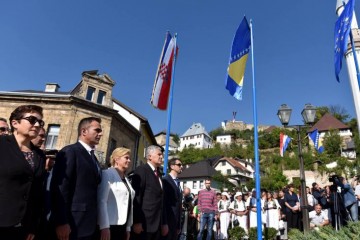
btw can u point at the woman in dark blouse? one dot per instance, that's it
(292, 208)
(22, 168)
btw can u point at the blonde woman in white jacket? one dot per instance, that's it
(223, 207)
(115, 198)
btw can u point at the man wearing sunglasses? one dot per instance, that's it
(173, 199)
(74, 184)
(4, 127)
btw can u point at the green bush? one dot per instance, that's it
(268, 233)
(236, 233)
(349, 232)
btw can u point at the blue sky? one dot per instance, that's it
(55, 41)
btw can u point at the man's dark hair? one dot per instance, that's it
(19, 112)
(85, 122)
(3, 119)
(173, 161)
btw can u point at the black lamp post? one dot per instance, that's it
(308, 114)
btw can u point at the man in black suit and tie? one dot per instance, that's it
(173, 199)
(148, 201)
(74, 184)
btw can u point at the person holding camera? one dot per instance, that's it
(348, 197)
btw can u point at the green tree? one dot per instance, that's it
(332, 143)
(176, 139)
(337, 111)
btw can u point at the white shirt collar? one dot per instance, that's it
(86, 146)
(152, 167)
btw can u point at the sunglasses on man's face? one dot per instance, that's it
(32, 120)
(4, 129)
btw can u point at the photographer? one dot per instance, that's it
(319, 195)
(188, 221)
(348, 197)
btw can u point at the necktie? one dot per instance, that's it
(156, 173)
(178, 184)
(95, 162)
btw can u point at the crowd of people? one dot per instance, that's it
(214, 213)
(66, 195)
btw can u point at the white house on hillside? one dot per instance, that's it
(225, 139)
(239, 170)
(196, 136)
(329, 122)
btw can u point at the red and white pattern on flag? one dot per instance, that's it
(163, 71)
(161, 90)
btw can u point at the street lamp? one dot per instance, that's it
(308, 114)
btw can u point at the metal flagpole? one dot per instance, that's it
(257, 167)
(355, 57)
(170, 108)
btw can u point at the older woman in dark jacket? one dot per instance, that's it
(22, 167)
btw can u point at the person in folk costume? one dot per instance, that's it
(239, 211)
(251, 205)
(223, 207)
(263, 206)
(272, 209)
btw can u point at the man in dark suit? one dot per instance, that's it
(148, 202)
(74, 184)
(173, 199)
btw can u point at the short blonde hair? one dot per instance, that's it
(118, 152)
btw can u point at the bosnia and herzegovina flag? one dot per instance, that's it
(284, 143)
(162, 84)
(238, 57)
(315, 138)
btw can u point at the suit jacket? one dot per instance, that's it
(148, 202)
(172, 203)
(20, 186)
(73, 191)
(113, 200)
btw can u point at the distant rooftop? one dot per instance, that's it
(195, 129)
(328, 122)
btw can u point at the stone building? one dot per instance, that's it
(161, 141)
(92, 96)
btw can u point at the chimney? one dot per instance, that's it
(52, 87)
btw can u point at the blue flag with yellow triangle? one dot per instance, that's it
(238, 57)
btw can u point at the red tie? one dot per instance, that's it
(156, 173)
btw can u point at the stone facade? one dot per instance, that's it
(66, 109)
(241, 126)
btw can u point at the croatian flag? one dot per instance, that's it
(161, 89)
(284, 142)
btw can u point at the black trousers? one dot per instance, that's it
(293, 220)
(118, 231)
(13, 233)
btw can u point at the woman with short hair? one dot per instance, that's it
(115, 198)
(22, 170)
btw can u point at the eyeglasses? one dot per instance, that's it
(32, 120)
(178, 164)
(98, 130)
(4, 129)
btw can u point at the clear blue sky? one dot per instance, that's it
(54, 41)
